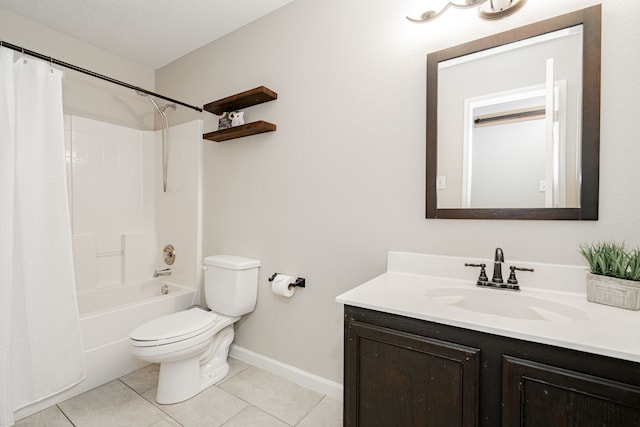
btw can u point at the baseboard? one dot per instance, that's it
(306, 379)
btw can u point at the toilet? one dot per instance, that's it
(191, 346)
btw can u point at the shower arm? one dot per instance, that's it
(165, 131)
(165, 156)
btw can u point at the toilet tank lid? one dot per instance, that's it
(231, 262)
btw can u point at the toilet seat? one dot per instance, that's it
(174, 327)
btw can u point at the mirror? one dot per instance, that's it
(513, 123)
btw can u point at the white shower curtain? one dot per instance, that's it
(40, 345)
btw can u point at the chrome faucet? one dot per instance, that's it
(163, 272)
(497, 281)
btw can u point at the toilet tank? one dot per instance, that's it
(231, 284)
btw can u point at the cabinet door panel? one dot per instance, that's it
(402, 379)
(535, 394)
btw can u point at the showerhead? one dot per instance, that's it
(159, 109)
(155, 104)
(165, 106)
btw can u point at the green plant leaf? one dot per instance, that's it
(612, 259)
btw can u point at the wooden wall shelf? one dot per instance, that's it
(247, 129)
(238, 101)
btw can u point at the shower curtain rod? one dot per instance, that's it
(91, 73)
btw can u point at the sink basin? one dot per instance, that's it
(505, 303)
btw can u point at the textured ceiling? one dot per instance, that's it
(152, 32)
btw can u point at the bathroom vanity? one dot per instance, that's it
(427, 349)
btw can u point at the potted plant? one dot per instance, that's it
(614, 274)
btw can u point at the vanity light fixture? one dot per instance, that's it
(487, 9)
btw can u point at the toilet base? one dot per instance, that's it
(183, 379)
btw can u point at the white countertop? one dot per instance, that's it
(601, 329)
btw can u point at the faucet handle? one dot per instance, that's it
(483, 272)
(512, 275)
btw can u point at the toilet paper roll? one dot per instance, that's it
(280, 285)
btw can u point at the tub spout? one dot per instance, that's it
(163, 272)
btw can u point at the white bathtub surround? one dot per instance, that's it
(178, 212)
(84, 262)
(139, 255)
(121, 217)
(111, 169)
(412, 280)
(40, 352)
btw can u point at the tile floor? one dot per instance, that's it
(248, 397)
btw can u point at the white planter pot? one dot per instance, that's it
(612, 291)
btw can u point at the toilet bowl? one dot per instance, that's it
(192, 346)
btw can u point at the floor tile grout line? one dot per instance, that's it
(310, 410)
(228, 377)
(214, 385)
(322, 396)
(254, 407)
(249, 404)
(267, 412)
(241, 368)
(65, 415)
(151, 403)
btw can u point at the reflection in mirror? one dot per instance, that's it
(510, 134)
(513, 123)
(518, 130)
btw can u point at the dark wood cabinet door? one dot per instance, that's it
(537, 395)
(399, 379)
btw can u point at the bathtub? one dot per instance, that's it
(107, 316)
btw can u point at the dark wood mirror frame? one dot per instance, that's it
(590, 18)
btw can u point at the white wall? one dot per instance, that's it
(508, 163)
(341, 181)
(83, 95)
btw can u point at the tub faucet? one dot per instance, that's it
(163, 272)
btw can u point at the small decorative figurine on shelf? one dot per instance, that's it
(237, 118)
(224, 122)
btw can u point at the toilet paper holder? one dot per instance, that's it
(300, 281)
